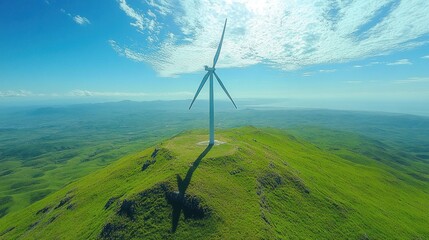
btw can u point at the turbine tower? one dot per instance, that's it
(210, 73)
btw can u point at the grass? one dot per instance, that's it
(262, 184)
(42, 149)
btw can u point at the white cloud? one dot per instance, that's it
(87, 93)
(138, 18)
(426, 57)
(150, 13)
(285, 34)
(126, 52)
(163, 7)
(19, 93)
(354, 82)
(400, 62)
(327, 70)
(81, 20)
(369, 64)
(147, 25)
(413, 80)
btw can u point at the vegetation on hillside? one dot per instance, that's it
(262, 183)
(42, 149)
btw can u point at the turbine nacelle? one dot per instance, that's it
(208, 69)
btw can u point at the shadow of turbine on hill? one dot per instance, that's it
(181, 202)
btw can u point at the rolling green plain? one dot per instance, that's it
(134, 170)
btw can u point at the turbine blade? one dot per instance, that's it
(219, 47)
(200, 87)
(221, 84)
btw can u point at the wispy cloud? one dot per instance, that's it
(374, 63)
(400, 62)
(81, 20)
(308, 74)
(77, 18)
(87, 93)
(138, 18)
(163, 7)
(285, 34)
(368, 64)
(146, 22)
(426, 57)
(127, 52)
(19, 93)
(354, 82)
(327, 70)
(413, 80)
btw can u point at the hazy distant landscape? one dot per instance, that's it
(45, 148)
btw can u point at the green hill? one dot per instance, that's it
(260, 184)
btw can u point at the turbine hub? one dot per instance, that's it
(207, 68)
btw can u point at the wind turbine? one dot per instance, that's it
(210, 73)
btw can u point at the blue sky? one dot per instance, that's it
(156, 49)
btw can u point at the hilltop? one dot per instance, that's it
(260, 184)
(43, 149)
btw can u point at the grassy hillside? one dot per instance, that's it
(42, 149)
(263, 183)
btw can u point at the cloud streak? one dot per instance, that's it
(94, 94)
(19, 93)
(284, 34)
(146, 23)
(400, 62)
(81, 20)
(77, 19)
(327, 70)
(138, 18)
(413, 80)
(87, 93)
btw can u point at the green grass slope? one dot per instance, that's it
(38, 160)
(260, 184)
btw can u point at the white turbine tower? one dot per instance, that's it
(210, 73)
